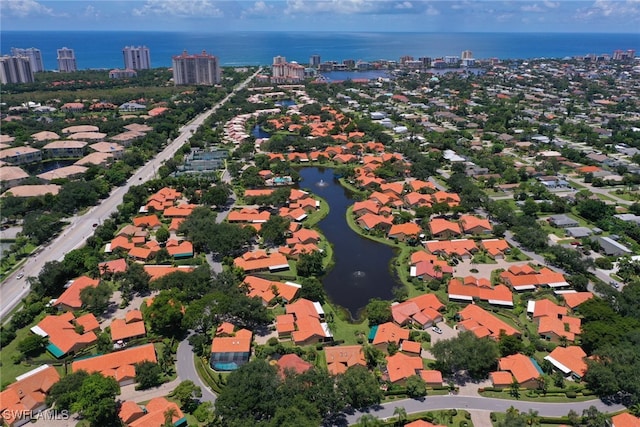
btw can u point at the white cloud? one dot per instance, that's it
(295, 7)
(552, 4)
(532, 8)
(180, 8)
(91, 12)
(24, 8)
(629, 10)
(404, 5)
(431, 11)
(260, 8)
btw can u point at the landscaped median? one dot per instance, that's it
(553, 395)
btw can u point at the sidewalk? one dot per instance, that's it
(129, 392)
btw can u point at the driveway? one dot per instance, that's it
(464, 268)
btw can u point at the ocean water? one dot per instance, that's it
(95, 49)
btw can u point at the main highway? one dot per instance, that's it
(80, 227)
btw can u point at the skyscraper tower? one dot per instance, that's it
(314, 61)
(197, 69)
(136, 58)
(15, 69)
(466, 54)
(66, 60)
(34, 55)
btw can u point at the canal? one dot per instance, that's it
(362, 267)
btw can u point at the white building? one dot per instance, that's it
(197, 69)
(34, 55)
(136, 58)
(67, 60)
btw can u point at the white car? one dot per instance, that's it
(436, 330)
(20, 276)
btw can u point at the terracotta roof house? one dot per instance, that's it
(27, 395)
(432, 377)
(63, 336)
(474, 225)
(366, 206)
(130, 411)
(424, 265)
(228, 353)
(461, 248)
(423, 310)
(522, 278)
(69, 172)
(421, 186)
(483, 324)
(112, 267)
(154, 414)
(569, 360)
(267, 290)
(451, 199)
(415, 199)
(33, 190)
(370, 221)
(304, 236)
(471, 288)
(501, 379)
(148, 221)
(285, 325)
(309, 322)
(412, 347)
(70, 298)
(340, 358)
(404, 232)
(292, 363)
(400, 367)
(553, 321)
(422, 423)
(119, 365)
(523, 369)
(248, 215)
(181, 211)
(158, 271)
(261, 261)
(395, 188)
(625, 420)
(574, 299)
(443, 229)
(295, 214)
(389, 333)
(179, 249)
(496, 248)
(131, 327)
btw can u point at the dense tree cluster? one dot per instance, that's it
(466, 352)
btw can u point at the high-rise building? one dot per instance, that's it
(314, 61)
(34, 55)
(286, 72)
(624, 55)
(197, 69)
(15, 69)
(279, 60)
(136, 58)
(466, 54)
(67, 60)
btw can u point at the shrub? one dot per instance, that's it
(467, 415)
(493, 417)
(464, 423)
(273, 341)
(571, 394)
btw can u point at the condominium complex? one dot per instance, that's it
(286, 72)
(66, 60)
(15, 69)
(314, 61)
(466, 54)
(34, 55)
(196, 69)
(136, 58)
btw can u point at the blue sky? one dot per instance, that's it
(589, 16)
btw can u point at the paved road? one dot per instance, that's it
(12, 290)
(481, 403)
(186, 368)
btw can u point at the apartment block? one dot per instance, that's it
(196, 69)
(15, 69)
(67, 60)
(34, 55)
(136, 57)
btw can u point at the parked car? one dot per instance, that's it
(436, 330)
(20, 276)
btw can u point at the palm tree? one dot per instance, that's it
(369, 420)
(533, 419)
(401, 413)
(169, 414)
(635, 409)
(515, 389)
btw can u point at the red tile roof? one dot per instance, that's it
(71, 296)
(482, 323)
(261, 260)
(625, 420)
(62, 333)
(28, 393)
(339, 358)
(264, 289)
(115, 266)
(574, 299)
(293, 362)
(569, 359)
(240, 342)
(400, 366)
(471, 288)
(155, 413)
(390, 332)
(520, 366)
(120, 364)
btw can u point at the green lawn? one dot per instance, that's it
(11, 370)
(319, 214)
(343, 328)
(549, 398)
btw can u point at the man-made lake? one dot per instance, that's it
(361, 268)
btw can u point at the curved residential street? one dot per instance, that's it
(13, 289)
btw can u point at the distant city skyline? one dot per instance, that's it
(587, 16)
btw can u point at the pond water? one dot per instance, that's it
(361, 268)
(259, 133)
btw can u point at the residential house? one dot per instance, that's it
(119, 365)
(431, 377)
(27, 395)
(66, 334)
(574, 299)
(400, 367)
(129, 328)
(158, 271)
(248, 215)
(152, 414)
(388, 333)
(423, 310)
(229, 351)
(474, 225)
(179, 249)
(340, 358)
(554, 324)
(443, 229)
(422, 423)
(625, 419)
(260, 260)
(12, 176)
(370, 221)
(426, 266)
(268, 290)
(66, 172)
(496, 248)
(483, 324)
(612, 247)
(570, 360)
(562, 221)
(65, 149)
(366, 207)
(471, 288)
(292, 363)
(459, 248)
(309, 322)
(404, 232)
(147, 221)
(523, 370)
(70, 298)
(525, 277)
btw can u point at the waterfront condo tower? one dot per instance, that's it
(34, 55)
(67, 60)
(136, 58)
(314, 61)
(197, 69)
(15, 69)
